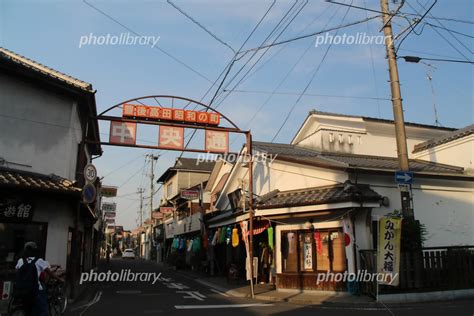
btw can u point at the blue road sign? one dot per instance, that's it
(404, 177)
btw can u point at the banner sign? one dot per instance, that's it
(15, 211)
(388, 251)
(169, 114)
(108, 207)
(190, 194)
(108, 191)
(123, 133)
(217, 141)
(171, 137)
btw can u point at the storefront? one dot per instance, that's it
(315, 233)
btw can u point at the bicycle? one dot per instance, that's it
(56, 293)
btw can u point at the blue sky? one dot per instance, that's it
(50, 31)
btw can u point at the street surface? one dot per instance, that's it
(176, 294)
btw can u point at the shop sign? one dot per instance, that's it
(169, 229)
(169, 114)
(108, 207)
(156, 215)
(166, 209)
(189, 224)
(159, 232)
(190, 194)
(308, 253)
(108, 191)
(110, 220)
(109, 214)
(388, 253)
(15, 211)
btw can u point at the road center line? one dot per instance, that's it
(221, 306)
(128, 292)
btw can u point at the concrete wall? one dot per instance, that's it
(59, 216)
(358, 136)
(39, 128)
(458, 153)
(443, 206)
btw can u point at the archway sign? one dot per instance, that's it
(172, 115)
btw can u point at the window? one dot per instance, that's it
(313, 250)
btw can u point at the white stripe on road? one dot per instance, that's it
(219, 292)
(221, 306)
(129, 292)
(96, 299)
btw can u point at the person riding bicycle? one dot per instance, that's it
(29, 287)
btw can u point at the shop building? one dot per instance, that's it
(322, 195)
(46, 121)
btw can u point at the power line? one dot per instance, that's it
(309, 82)
(373, 64)
(313, 34)
(281, 22)
(200, 25)
(412, 27)
(156, 47)
(312, 95)
(449, 30)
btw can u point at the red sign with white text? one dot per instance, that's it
(217, 141)
(171, 137)
(123, 133)
(168, 114)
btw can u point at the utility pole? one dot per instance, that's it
(153, 159)
(400, 134)
(141, 191)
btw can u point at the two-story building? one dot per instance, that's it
(183, 194)
(46, 119)
(318, 199)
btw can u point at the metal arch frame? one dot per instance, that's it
(171, 97)
(235, 129)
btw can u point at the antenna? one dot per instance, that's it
(430, 80)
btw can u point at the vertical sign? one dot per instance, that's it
(123, 133)
(388, 253)
(308, 253)
(217, 141)
(171, 137)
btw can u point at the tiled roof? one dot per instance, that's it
(346, 192)
(19, 179)
(353, 161)
(374, 119)
(446, 138)
(187, 164)
(5, 54)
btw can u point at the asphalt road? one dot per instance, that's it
(175, 294)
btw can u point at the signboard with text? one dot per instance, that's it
(169, 114)
(108, 207)
(15, 211)
(108, 191)
(388, 250)
(123, 133)
(190, 194)
(171, 137)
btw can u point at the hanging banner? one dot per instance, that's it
(217, 141)
(170, 114)
(319, 243)
(388, 251)
(171, 137)
(123, 133)
(349, 244)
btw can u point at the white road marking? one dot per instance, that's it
(221, 306)
(193, 294)
(128, 292)
(219, 292)
(96, 299)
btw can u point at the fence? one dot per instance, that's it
(429, 269)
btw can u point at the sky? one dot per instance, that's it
(339, 77)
